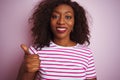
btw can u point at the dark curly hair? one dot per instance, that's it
(41, 23)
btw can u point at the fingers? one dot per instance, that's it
(31, 61)
(25, 49)
(32, 69)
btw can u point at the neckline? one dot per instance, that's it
(64, 46)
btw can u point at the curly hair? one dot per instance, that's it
(42, 33)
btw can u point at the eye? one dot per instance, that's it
(68, 17)
(55, 16)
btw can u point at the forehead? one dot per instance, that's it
(63, 8)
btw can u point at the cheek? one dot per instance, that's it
(53, 22)
(52, 25)
(71, 24)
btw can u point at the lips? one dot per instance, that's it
(61, 29)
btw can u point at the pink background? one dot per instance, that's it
(105, 31)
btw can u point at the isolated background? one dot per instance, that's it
(105, 32)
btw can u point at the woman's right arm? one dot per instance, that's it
(30, 65)
(24, 75)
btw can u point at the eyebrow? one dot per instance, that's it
(65, 12)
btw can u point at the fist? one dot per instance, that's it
(31, 61)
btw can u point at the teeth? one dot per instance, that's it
(61, 29)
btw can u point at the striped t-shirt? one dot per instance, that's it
(65, 63)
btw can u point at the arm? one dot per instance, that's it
(23, 75)
(30, 65)
(28, 76)
(91, 72)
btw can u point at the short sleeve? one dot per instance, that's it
(32, 50)
(91, 72)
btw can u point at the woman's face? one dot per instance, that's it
(62, 21)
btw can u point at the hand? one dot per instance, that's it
(32, 61)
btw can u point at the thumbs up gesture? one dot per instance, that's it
(32, 61)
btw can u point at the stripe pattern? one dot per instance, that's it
(61, 63)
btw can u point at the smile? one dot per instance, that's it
(61, 29)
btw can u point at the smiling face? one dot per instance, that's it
(62, 21)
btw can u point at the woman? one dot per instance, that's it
(59, 52)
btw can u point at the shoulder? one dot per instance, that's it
(33, 49)
(84, 48)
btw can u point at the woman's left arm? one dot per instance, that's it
(90, 71)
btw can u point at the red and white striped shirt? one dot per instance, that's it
(65, 63)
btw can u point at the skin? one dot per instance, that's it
(62, 17)
(62, 23)
(30, 66)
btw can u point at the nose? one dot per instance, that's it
(61, 21)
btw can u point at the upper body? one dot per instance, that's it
(64, 63)
(64, 23)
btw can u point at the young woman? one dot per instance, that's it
(59, 52)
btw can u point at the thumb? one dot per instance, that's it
(25, 49)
